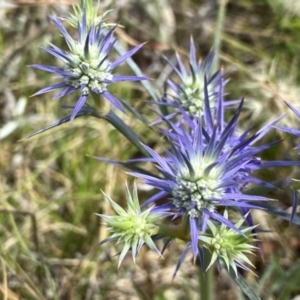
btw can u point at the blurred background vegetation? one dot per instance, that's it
(50, 189)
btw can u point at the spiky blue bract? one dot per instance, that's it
(189, 91)
(210, 165)
(293, 131)
(86, 65)
(195, 84)
(132, 227)
(198, 89)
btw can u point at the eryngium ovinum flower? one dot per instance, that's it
(86, 66)
(229, 247)
(189, 92)
(209, 168)
(132, 227)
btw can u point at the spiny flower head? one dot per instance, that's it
(202, 174)
(86, 65)
(132, 227)
(209, 165)
(189, 92)
(227, 246)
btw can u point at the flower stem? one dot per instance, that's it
(206, 279)
(132, 137)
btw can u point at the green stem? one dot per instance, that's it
(206, 286)
(118, 123)
(182, 232)
(173, 232)
(218, 33)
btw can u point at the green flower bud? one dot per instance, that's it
(91, 12)
(228, 246)
(132, 227)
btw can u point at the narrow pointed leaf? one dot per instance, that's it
(244, 285)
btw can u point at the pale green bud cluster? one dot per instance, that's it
(91, 12)
(132, 227)
(228, 246)
(88, 70)
(192, 95)
(194, 190)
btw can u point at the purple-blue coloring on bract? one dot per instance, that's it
(210, 164)
(86, 65)
(288, 129)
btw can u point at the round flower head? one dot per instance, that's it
(189, 92)
(229, 247)
(209, 165)
(86, 66)
(132, 227)
(199, 177)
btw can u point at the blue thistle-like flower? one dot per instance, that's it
(86, 66)
(210, 165)
(196, 84)
(189, 92)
